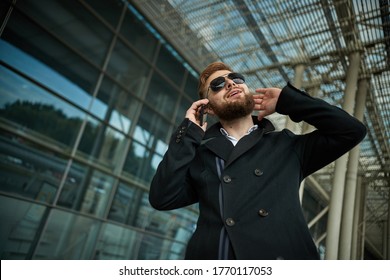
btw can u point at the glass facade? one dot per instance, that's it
(89, 96)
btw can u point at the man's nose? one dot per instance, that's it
(229, 83)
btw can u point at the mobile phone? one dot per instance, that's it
(202, 115)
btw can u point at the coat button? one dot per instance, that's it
(263, 213)
(230, 222)
(227, 179)
(258, 172)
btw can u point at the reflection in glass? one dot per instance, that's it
(143, 136)
(138, 35)
(163, 95)
(142, 160)
(138, 163)
(191, 87)
(181, 112)
(170, 66)
(92, 37)
(161, 147)
(35, 41)
(89, 192)
(67, 237)
(157, 127)
(40, 73)
(48, 73)
(116, 243)
(19, 225)
(124, 204)
(30, 106)
(102, 144)
(115, 105)
(174, 227)
(128, 69)
(109, 10)
(28, 170)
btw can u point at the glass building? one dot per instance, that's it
(89, 96)
(90, 93)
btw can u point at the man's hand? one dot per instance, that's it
(193, 113)
(265, 101)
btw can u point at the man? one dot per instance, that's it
(244, 175)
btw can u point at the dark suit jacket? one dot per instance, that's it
(250, 192)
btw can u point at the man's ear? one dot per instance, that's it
(210, 111)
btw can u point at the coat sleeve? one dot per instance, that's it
(171, 187)
(337, 131)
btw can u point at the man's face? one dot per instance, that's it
(231, 98)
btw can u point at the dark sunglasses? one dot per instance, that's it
(219, 83)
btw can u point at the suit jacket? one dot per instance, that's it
(248, 194)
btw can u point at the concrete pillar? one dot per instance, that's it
(362, 224)
(357, 218)
(351, 179)
(336, 202)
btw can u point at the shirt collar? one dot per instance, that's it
(233, 139)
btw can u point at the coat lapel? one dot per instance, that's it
(223, 148)
(245, 144)
(220, 146)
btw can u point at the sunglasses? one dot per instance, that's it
(219, 83)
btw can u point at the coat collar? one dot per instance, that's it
(223, 148)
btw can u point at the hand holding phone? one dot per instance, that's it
(202, 115)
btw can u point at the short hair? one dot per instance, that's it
(207, 72)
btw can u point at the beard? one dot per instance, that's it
(234, 110)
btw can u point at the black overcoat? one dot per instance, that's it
(250, 192)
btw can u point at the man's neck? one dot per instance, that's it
(238, 127)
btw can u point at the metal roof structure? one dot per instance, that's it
(266, 40)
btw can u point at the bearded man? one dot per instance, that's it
(245, 175)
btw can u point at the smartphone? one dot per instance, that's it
(202, 115)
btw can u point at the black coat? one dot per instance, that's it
(250, 192)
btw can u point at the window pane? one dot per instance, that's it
(34, 41)
(31, 107)
(128, 69)
(181, 112)
(19, 226)
(41, 74)
(117, 243)
(29, 170)
(103, 144)
(138, 163)
(67, 237)
(73, 24)
(109, 10)
(116, 106)
(162, 96)
(139, 36)
(191, 87)
(170, 66)
(123, 206)
(86, 190)
(176, 227)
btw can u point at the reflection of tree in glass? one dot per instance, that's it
(53, 123)
(49, 121)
